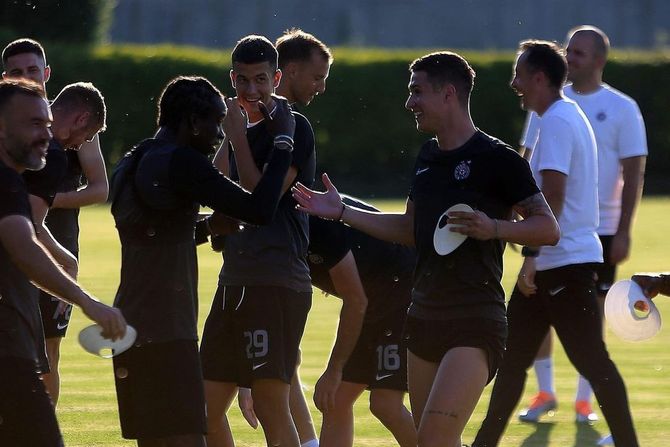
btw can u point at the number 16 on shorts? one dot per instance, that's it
(388, 358)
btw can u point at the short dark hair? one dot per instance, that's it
(83, 95)
(547, 57)
(445, 67)
(601, 42)
(11, 87)
(21, 46)
(295, 45)
(184, 96)
(255, 49)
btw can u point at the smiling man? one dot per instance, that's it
(556, 287)
(258, 316)
(83, 183)
(455, 329)
(26, 412)
(621, 142)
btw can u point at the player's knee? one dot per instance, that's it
(382, 408)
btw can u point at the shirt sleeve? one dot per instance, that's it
(194, 176)
(303, 145)
(531, 131)
(14, 197)
(328, 238)
(517, 182)
(45, 182)
(554, 146)
(632, 135)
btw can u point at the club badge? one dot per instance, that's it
(462, 170)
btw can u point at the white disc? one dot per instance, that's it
(91, 339)
(444, 240)
(622, 317)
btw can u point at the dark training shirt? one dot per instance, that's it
(45, 182)
(64, 222)
(21, 333)
(156, 193)
(274, 254)
(489, 176)
(385, 268)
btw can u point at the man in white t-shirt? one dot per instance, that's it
(556, 287)
(622, 149)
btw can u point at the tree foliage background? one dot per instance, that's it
(67, 21)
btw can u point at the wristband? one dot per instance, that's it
(339, 219)
(283, 137)
(283, 146)
(530, 252)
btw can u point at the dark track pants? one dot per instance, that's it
(566, 300)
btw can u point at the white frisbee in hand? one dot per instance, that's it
(91, 339)
(444, 240)
(625, 321)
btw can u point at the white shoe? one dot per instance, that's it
(606, 440)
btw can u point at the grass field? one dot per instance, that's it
(88, 414)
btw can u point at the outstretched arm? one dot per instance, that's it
(392, 227)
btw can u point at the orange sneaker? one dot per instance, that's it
(542, 403)
(584, 413)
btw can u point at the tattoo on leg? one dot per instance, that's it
(451, 414)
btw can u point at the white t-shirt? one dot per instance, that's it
(566, 144)
(620, 133)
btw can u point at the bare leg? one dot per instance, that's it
(456, 388)
(219, 396)
(271, 404)
(388, 406)
(299, 409)
(420, 376)
(52, 379)
(337, 429)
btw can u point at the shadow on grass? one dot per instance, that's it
(540, 437)
(586, 436)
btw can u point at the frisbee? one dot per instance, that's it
(91, 339)
(444, 240)
(625, 321)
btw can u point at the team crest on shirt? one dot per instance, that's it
(601, 116)
(315, 258)
(462, 170)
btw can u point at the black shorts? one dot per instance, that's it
(27, 417)
(253, 333)
(160, 390)
(431, 339)
(606, 272)
(55, 325)
(379, 358)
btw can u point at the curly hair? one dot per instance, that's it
(184, 96)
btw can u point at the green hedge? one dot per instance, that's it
(366, 140)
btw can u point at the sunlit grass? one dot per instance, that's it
(87, 409)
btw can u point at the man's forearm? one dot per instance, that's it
(390, 227)
(633, 181)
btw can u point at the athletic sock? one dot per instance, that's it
(583, 390)
(544, 371)
(310, 443)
